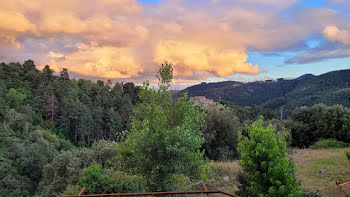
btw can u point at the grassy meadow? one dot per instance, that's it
(308, 164)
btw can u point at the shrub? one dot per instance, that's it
(329, 143)
(311, 193)
(266, 169)
(98, 180)
(347, 153)
(220, 133)
(66, 168)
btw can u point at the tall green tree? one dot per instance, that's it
(165, 140)
(220, 132)
(266, 168)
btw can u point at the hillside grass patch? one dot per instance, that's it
(218, 174)
(310, 161)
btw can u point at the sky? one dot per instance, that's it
(205, 40)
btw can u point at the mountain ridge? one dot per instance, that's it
(329, 88)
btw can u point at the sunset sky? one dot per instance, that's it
(207, 40)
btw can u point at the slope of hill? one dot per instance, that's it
(329, 88)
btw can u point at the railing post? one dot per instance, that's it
(81, 191)
(205, 189)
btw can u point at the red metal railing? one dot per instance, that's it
(206, 191)
(155, 194)
(342, 186)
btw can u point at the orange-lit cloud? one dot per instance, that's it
(12, 25)
(332, 33)
(127, 39)
(190, 57)
(105, 62)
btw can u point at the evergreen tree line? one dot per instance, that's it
(43, 115)
(82, 111)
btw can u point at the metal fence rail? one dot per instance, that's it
(207, 192)
(342, 186)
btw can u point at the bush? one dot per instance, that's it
(66, 168)
(98, 180)
(347, 153)
(220, 133)
(311, 193)
(329, 143)
(266, 169)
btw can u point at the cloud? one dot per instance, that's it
(99, 22)
(318, 56)
(104, 62)
(333, 34)
(127, 39)
(339, 4)
(12, 25)
(55, 55)
(191, 57)
(338, 47)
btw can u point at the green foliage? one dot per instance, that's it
(98, 180)
(83, 111)
(329, 143)
(14, 98)
(220, 133)
(266, 169)
(347, 153)
(309, 124)
(252, 113)
(23, 158)
(164, 138)
(66, 168)
(281, 129)
(165, 75)
(311, 193)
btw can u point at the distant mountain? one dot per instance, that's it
(329, 88)
(305, 76)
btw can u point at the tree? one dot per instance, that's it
(66, 168)
(163, 142)
(29, 66)
(64, 74)
(309, 124)
(266, 169)
(14, 98)
(220, 132)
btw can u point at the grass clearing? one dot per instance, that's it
(310, 161)
(308, 164)
(218, 174)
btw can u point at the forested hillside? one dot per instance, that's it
(42, 114)
(82, 111)
(330, 88)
